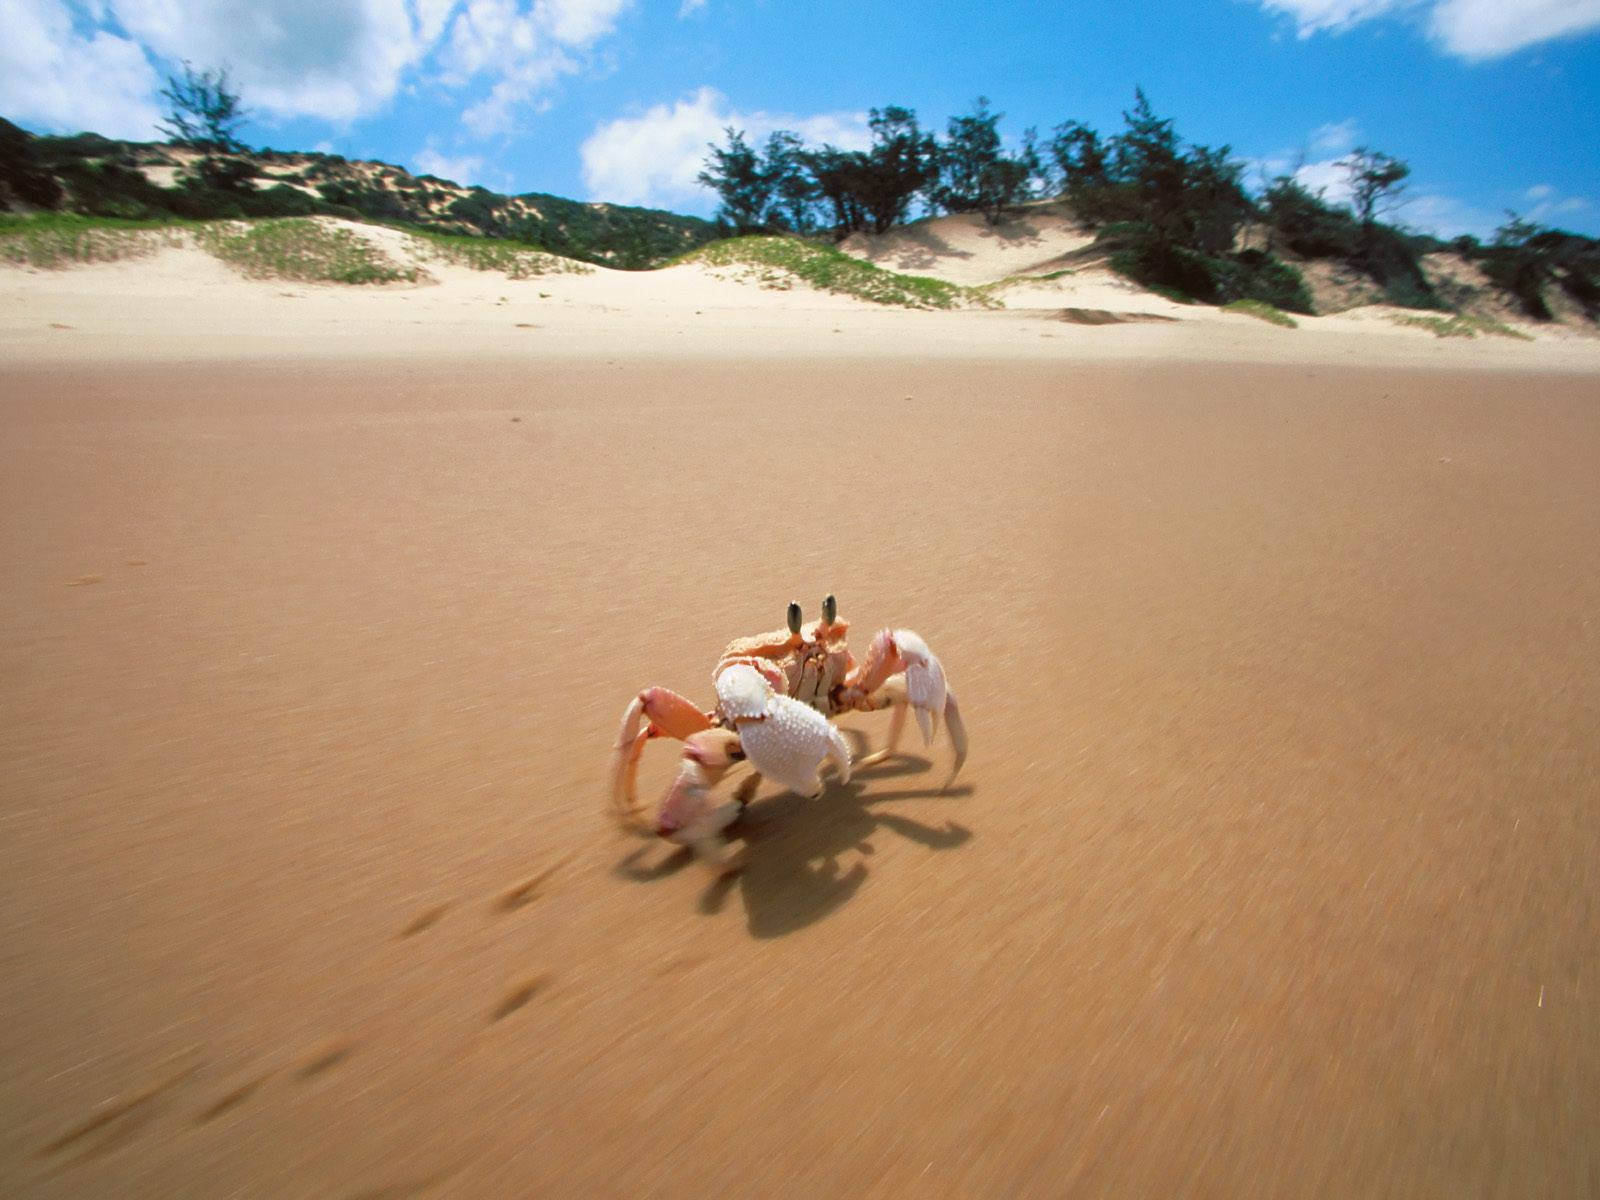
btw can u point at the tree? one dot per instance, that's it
(1085, 182)
(203, 111)
(903, 161)
(735, 172)
(975, 175)
(793, 192)
(1376, 182)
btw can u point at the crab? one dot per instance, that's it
(777, 694)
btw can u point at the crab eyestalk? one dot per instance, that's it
(830, 609)
(794, 616)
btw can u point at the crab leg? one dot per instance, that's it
(654, 712)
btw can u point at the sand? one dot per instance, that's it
(1272, 871)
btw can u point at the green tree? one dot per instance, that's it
(1083, 171)
(740, 179)
(902, 163)
(975, 174)
(203, 111)
(793, 193)
(1376, 182)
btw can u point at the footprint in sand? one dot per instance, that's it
(424, 920)
(529, 889)
(118, 1120)
(234, 1099)
(324, 1057)
(518, 996)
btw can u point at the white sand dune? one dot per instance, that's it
(180, 304)
(966, 249)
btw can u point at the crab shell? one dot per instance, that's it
(784, 739)
(812, 662)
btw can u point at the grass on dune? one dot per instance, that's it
(301, 249)
(516, 260)
(1262, 310)
(53, 240)
(776, 262)
(1461, 325)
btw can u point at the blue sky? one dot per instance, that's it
(1494, 103)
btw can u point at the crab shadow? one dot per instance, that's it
(795, 848)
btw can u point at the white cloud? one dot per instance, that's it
(524, 47)
(690, 6)
(1550, 207)
(653, 158)
(337, 61)
(467, 169)
(1445, 217)
(1336, 138)
(1477, 29)
(57, 77)
(73, 63)
(1470, 29)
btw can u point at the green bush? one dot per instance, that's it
(22, 176)
(1145, 258)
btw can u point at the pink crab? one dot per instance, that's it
(776, 695)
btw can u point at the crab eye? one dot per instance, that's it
(830, 609)
(794, 616)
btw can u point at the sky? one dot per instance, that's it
(1495, 104)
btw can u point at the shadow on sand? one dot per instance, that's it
(793, 877)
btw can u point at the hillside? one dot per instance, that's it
(98, 176)
(1041, 257)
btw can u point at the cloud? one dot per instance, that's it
(61, 78)
(1336, 138)
(1469, 29)
(1324, 176)
(95, 62)
(653, 158)
(466, 169)
(1548, 207)
(690, 6)
(1479, 29)
(337, 61)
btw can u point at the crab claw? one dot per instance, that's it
(925, 686)
(654, 712)
(900, 671)
(784, 739)
(897, 650)
(690, 815)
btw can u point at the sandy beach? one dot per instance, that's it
(1272, 871)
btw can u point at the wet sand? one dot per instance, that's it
(1273, 871)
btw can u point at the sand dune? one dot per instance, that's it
(179, 304)
(966, 249)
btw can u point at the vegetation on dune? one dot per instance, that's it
(303, 250)
(1263, 311)
(219, 178)
(1174, 216)
(515, 260)
(53, 240)
(1460, 325)
(777, 262)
